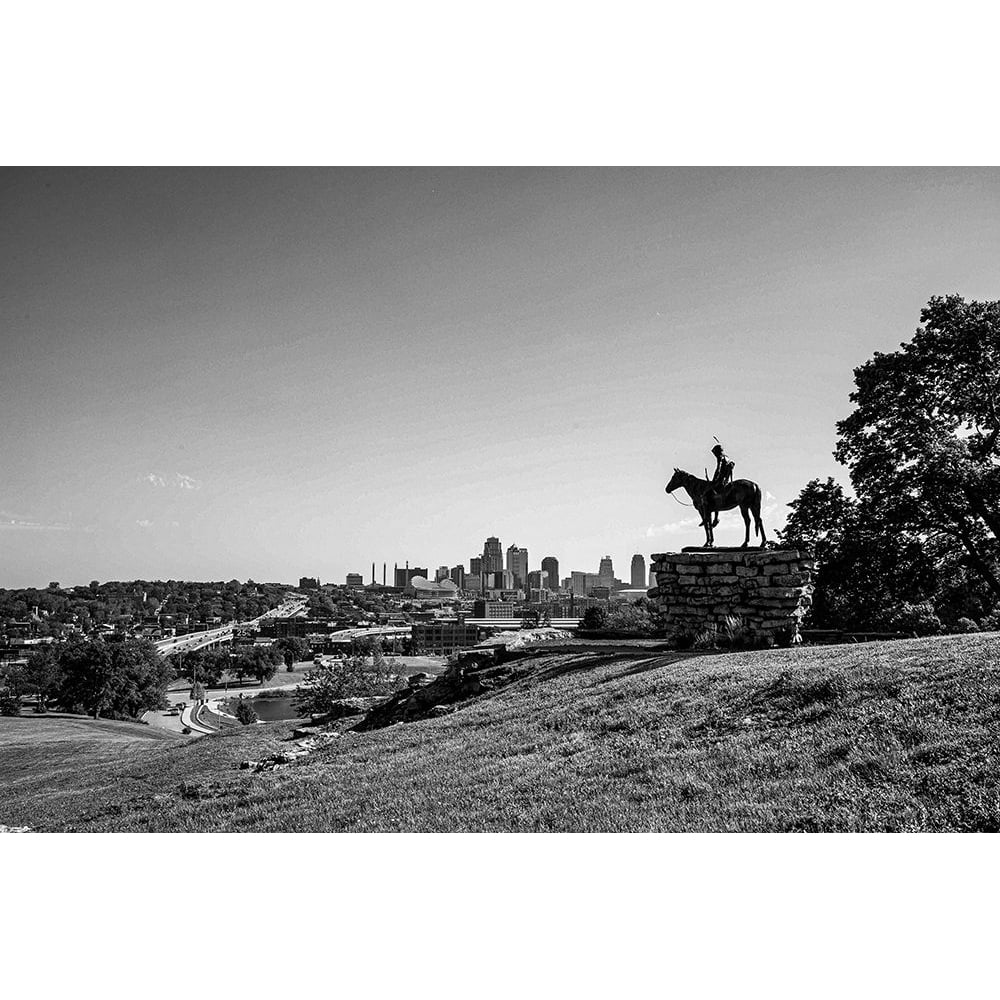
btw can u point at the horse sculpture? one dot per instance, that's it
(709, 500)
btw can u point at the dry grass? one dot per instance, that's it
(890, 736)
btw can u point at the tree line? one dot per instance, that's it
(109, 603)
(123, 679)
(112, 680)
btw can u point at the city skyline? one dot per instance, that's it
(219, 373)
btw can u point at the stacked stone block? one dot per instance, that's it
(698, 590)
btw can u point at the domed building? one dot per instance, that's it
(423, 589)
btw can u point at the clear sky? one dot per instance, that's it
(209, 374)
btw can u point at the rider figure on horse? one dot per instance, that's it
(723, 469)
(722, 478)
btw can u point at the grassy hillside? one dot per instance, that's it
(890, 736)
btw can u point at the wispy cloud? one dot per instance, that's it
(672, 527)
(26, 524)
(144, 523)
(177, 481)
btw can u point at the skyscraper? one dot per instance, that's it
(606, 573)
(551, 566)
(492, 556)
(458, 576)
(638, 571)
(517, 563)
(475, 566)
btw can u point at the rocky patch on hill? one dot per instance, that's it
(474, 673)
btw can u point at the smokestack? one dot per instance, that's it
(383, 574)
(373, 574)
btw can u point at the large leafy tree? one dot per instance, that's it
(923, 443)
(114, 679)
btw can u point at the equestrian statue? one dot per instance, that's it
(721, 492)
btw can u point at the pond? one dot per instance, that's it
(275, 709)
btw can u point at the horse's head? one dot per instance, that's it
(677, 479)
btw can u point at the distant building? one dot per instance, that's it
(517, 564)
(281, 628)
(423, 589)
(401, 577)
(495, 609)
(652, 577)
(443, 573)
(355, 580)
(628, 594)
(458, 576)
(501, 580)
(308, 583)
(583, 583)
(606, 573)
(492, 556)
(537, 579)
(638, 571)
(444, 638)
(551, 566)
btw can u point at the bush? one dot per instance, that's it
(594, 619)
(708, 639)
(991, 623)
(245, 713)
(351, 677)
(965, 625)
(10, 703)
(919, 619)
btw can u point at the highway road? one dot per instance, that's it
(198, 640)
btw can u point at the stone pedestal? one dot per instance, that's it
(698, 589)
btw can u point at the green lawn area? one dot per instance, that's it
(879, 736)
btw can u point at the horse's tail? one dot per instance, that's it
(758, 524)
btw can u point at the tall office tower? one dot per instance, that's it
(638, 571)
(441, 574)
(458, 576)
(578, 583)
(475, 565)
(517, 563)
(606, 572)
(551, 566)
(492, 556)
(538, 579)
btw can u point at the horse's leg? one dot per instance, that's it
(746, 523)
(758, 523)
(706, 520)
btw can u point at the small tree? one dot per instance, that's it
(245, 713)
(594, 619)
(292, 649)
(42, 675)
